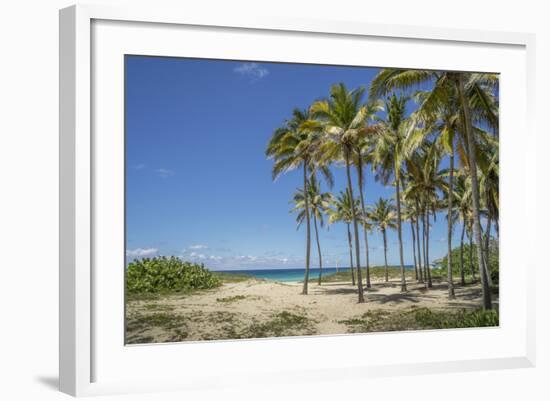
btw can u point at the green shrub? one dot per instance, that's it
(162, 274)
(441, 264)
(427, 318)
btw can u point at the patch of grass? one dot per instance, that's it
(140, 340)
(281, 324)
(420, 319)
(159, 319)
(158, 307)
(144, 296)
(231, 299)
(377, 272)
(220, 317)
(463, 318)
(226, 277)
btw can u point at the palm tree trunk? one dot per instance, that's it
(487, 303)
(427, 261)
(318, 248)
(361, 185)
(414, 251)
(385, 254)
(361, 298)
(424, 248)
(450, 284)
(462, 281)
(471, 255)
(308, 233)
(486, 249)
(418, 243)
(398, 197)
(351, 257)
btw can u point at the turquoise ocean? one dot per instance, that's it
(290, 274)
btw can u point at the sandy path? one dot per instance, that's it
(223, 312)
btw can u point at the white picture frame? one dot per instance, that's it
(78, 225)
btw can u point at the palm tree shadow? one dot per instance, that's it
(340, 290)
(52, 382)
(397, 298)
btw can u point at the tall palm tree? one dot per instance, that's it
(292, 147)
(367, 229)
(363, 156)
(388, 155)
(341, 118)
(415, 212)
(443, 122)
(342, 212)
(464, 84)
(319, 203)
(383, 216)
(427, 180)
(462, 212)
(409, 214)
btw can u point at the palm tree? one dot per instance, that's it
(409, 214)
(341, 118)
(388, 159)
(292, 147)
(367, 229)
(319, 203)
(444, 122)
(464, 84)
(383, 216)
(462, 211)
(342, 212)
(363, 156)
(426, 180)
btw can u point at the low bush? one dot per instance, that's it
(162, 274)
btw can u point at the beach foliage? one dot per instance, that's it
(162, 274)
(441, 264)
(420, 319)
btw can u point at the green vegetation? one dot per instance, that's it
(420, 319)
(377, 272)
(441, 265)
(233, 277)
(281, 324)
(231, 299)
(158, 275)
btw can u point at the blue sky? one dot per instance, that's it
(198, 184)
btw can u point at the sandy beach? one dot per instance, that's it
(255, 308)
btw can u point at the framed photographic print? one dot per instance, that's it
(254, 191)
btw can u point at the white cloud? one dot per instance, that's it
(141, 252)
(198, 246)
(253, 70)
(164, 172)
(196, 255)
(139, 166)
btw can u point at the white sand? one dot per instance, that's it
(326, 306)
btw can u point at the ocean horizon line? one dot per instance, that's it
(302, 268)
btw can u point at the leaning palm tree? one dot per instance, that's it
(464, 83)
(292, 147)
(341, 119)
(342, 212)
(319, 203)
(383, 217)
(388, 155)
